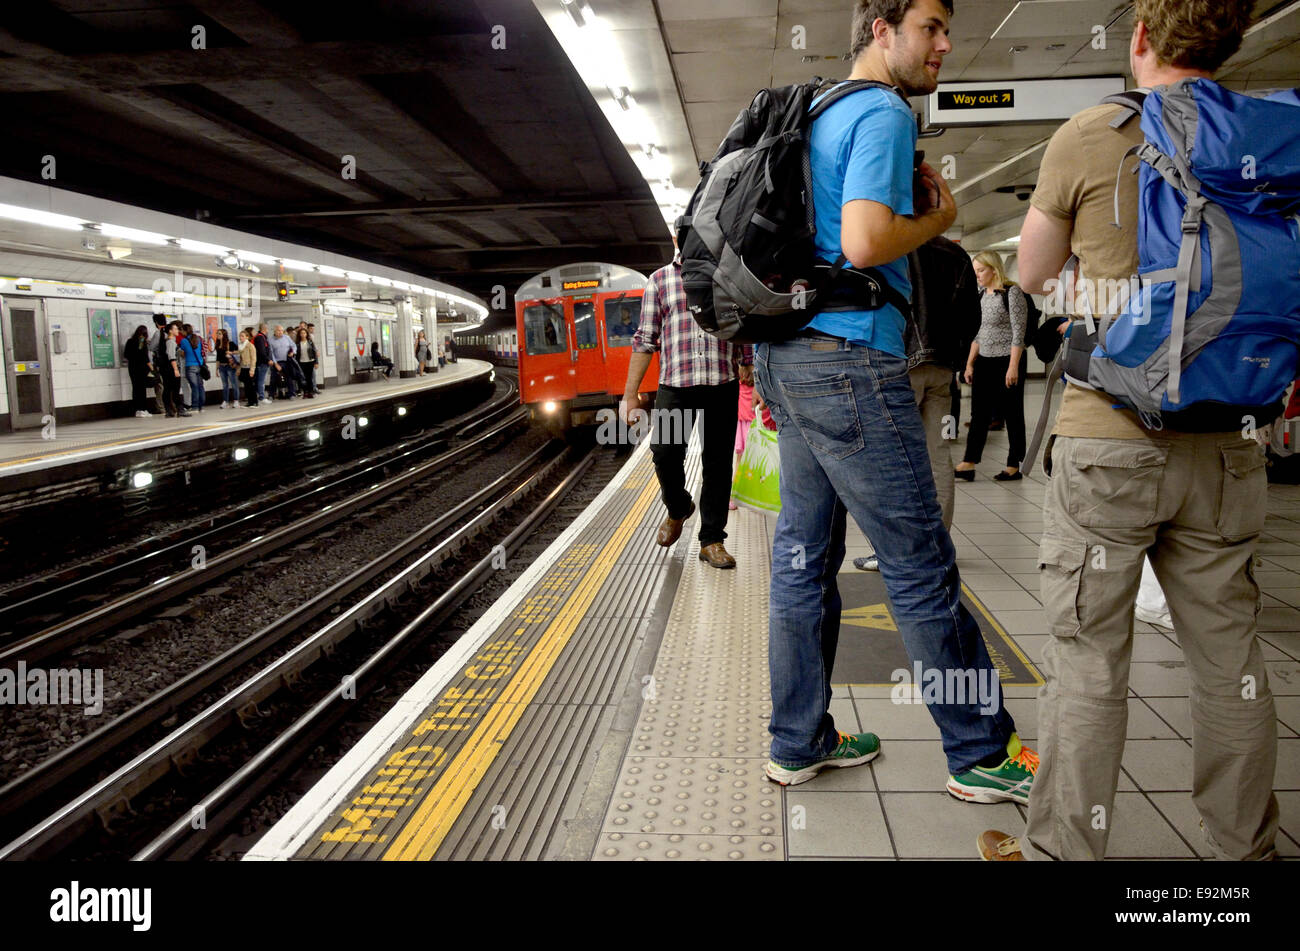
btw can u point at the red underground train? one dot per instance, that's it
(574, 328)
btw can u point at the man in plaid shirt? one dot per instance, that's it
(697, 372)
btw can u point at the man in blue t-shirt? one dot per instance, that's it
(852, 441)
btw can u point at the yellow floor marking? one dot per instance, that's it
(420, 838)
(856, 618)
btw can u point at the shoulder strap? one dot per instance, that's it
(847, 88)
(1132, 100)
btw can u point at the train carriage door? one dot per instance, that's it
(27, 365)
(588, 347)
(621, 314)
(545, 360)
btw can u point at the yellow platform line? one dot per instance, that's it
(420, 838)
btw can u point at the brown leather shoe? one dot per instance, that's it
(997, 846)
(670, 529)
(717, 556)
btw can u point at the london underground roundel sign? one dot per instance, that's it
(361, 341)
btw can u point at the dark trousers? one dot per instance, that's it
(990, 397)
(139, 402)
(308, 376)
(954, 391)
(250, 386)
(670, 430)
(172, 393)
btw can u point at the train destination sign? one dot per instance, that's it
(580, 285)
(1008, 101)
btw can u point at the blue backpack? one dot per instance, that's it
(1211, 341)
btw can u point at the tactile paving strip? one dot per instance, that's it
(691, 785)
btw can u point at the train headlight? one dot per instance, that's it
(549, 406)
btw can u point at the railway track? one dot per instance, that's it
(29, 609)
(102, 802)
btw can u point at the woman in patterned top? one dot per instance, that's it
(996, 368)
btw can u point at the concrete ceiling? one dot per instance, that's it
(480, 157)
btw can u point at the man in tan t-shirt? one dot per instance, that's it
(1194, 501)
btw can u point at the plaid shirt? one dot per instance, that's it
(687, 355)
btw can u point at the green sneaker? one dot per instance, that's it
(1008, 782)
(854, 750)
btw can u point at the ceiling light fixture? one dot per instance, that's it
(35, 217)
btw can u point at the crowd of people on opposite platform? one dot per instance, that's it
(267, 363)
(864, 402)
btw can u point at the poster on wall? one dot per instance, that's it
(386, 339)
(211, 324)
(129, 320)
(101, 338)
(231, 323)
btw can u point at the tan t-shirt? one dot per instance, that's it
(1076, 184)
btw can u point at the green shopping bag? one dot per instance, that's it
(757, 484)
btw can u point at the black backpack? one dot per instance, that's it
(1032, 320)
(749, 265)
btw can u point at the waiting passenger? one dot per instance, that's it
(263, 346)
(170, 367)
(377, 359)
(1193, 502)
(138, 366)
(698, 373)
(248, 367)
(944, 319)
(228, 368)
(996, 368)
(306, 357)
(422, 354)
(193, 368)
(851, 437)
(282, 351)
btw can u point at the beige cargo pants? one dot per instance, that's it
(1196, 504)
(930, 384)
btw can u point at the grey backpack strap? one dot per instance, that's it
(1053, 376)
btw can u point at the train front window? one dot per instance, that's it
(621, 320)
(584, 324)
(544, 329)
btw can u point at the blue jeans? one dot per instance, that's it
(196, 387)
(852, 442)
(262, 370)
(229, 383)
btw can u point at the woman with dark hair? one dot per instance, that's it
(228, 367)
(138, 363)
(248, 367)
(377, 359)
(306, 350)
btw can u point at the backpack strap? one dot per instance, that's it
(1133, 101)
(1053, 377)
(847, 88)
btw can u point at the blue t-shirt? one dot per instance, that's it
(192, 359)
(862, 147)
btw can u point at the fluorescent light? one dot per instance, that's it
(297, 265)
(141, 479)
(381, 281)
(358, 276)
(203, 247)
(255, 256)
(133, 234)
(330, 269)
(1014, 239)
(35, 217)
(402, 285)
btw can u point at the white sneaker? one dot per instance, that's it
(141, 414)
(223, 405)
